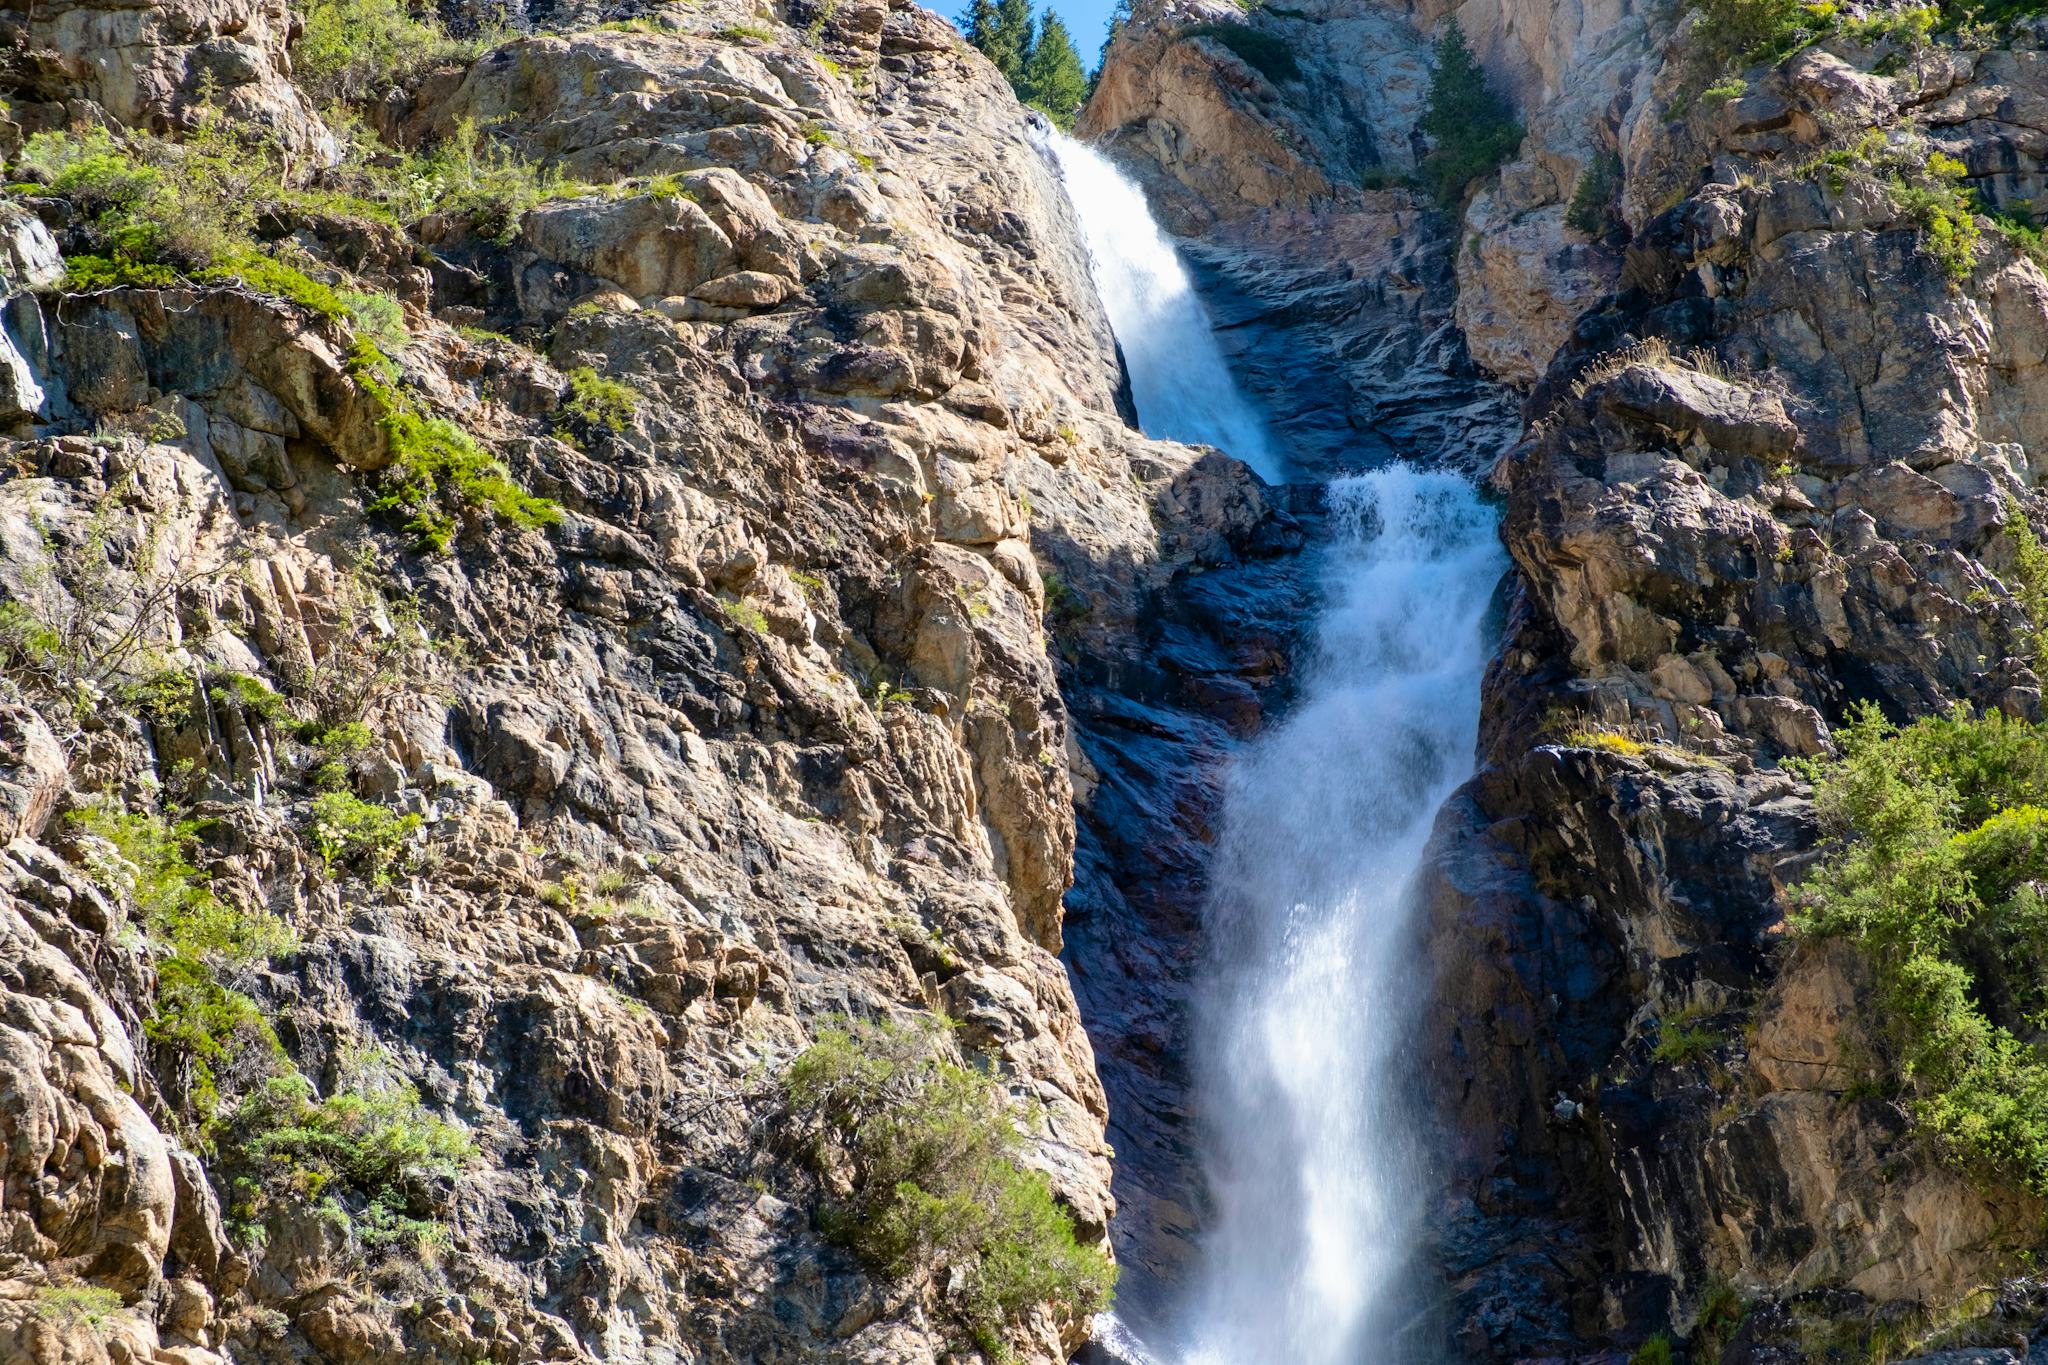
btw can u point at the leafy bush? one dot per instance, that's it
(350, 832)
(745, 613)
(599, 403)
(2022, 233)
(1266, 54)
(352, 49)
(434, 462)
(1472, 127)
(934, 1185)
(1680, 1043)
(1937, 878)
(1756, 32)
(2029, 580)
(365, 1151)
(1927, 186)
(196, 1014)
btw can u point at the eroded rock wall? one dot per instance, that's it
(763, 731)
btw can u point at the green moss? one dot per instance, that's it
(739, 33)
(931, 1148)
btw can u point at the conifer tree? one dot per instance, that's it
(1474, 128)
(1001, 31)
(1053, 79)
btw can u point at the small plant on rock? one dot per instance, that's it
(369, 1152)
(925, 1152)
(197, 1012)
(598, 403)
(361, 836)
(69, 1305)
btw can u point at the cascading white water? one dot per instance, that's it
(1311, 1150)
(1181, 386)
(1305, 1097)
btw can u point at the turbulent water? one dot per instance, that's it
(1181, 386)
(1305, 1092)
(1305, 1095)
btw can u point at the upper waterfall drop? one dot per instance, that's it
(1183, 390)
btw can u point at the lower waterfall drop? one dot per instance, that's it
(1304, 1094)
(1303, 1088)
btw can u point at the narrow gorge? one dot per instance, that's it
(679, 685)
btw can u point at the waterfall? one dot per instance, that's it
(1302, 1075)
(1181, 386)
(1305, 1089)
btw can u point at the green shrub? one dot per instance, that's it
(205, 941)
(351, 50)
(1655, 1351)
(1472, 128)
(251, 696)
(1266, 54)
(161, 213)
(434, 462)
(1937, 878)
(745, 613)
(1726, 89)
(360, 835)
(1592, 208)
(2022, 233)
(71, 1305)
(1679, 1043)
(1756, 32)
(2029, 580)
(934, 1185)
(1927, 186)
(599, 403)
(365, 1151)
(1063, 605)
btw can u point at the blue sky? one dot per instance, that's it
(1087, 20)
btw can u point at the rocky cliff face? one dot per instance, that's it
(571, 836)
(1770, 443)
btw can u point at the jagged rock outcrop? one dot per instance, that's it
(1719, 551)
(1772, 445)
